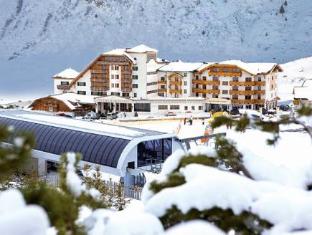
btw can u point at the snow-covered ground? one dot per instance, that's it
(294, 74)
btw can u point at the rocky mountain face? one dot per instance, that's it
(39, 38)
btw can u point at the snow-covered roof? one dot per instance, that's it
(205, 65)
(153, 66)
(75, 98)
(180, 66)
(67, 73)
(119, 52)
(141, 49)
(253, 68)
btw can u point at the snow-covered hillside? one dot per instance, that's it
(294, 74)
(39, 38)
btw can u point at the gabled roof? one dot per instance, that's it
(67, 73)
(252, 68)
(141, 49)
(180, 66)
(119, 52)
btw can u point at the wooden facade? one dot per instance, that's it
(50, 104)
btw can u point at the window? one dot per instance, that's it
(163, 87)
(174, 107)
(247, 97)
(204, 78)
(215, 96)
(196, 77)
(215, 78)
(113, 85)
(162, 107)
(248, 79)
(185, 107)
(135, 94)
(215, 88)
(64, 83)
(135, 68)
(114, 67)
(142, 107)
(259, 79)
(185, 83)
(81, 92)
(151, 83)
(125, 94)
(117, 76)
(81, 84)
(225, 83)
(162, 79)
(135, 77)
(117, 85)
(153, 150)
(185, 91)
(184, 74)
(204, 87)
(98, 93)
(248, 88)
(259, 88)
(200, 107)
(193, 107)
(135, 85)
(152, 91)
(235, 88)
(248, 106)
(225, 92)
(235, 97)
(115, 93)
(259, 97)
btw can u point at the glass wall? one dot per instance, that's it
(154, 151)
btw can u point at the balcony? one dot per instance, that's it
(205, 82)
(232, 83)
(176, 83)
(63, 87)
(171, 91)
(240, 102)
(225, 74)
(254, 92)
(162, 82)
(162, 90)
(204, 91)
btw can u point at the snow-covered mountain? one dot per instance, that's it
(39, 38)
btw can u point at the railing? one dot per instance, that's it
(176, 83)
(162, 90)
(197, 90)
(206, 82)
(234, 101)
(234, 83)
(225, 74)
(252, 92)
(174, 91)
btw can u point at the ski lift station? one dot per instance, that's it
(121, 151)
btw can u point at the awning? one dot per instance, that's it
(217, 101)
(113, 99)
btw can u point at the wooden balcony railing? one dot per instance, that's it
(204, 91)
(225, 74)
(162, 82)
(234, 101)
(205, 82)
(253, 92)
(232, 83)
(162, 90)
(176, 83)
(171, 91)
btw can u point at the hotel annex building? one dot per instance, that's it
(135, 80)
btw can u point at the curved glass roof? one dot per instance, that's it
(95, 148)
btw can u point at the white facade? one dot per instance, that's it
(63, 79)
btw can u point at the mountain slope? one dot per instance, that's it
(41, 37)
